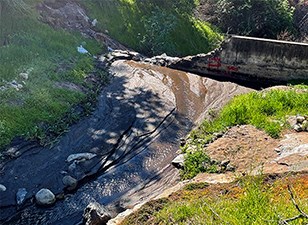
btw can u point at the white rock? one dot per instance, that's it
(24, 76)
(94, 22)
(292, 120)
(45, 197)
(80, 156)
(300, 119)
(178, 162)
(21, 196)
(305, 125)
(95, 214)
(297, 127)
(2, 188)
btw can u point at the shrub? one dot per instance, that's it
(197, 162)
(259, 18)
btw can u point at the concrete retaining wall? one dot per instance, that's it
(248, 58)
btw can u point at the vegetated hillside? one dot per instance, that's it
(41, 73)
(155, 27)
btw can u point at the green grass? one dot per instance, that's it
(266, 110)
(49, 57)
(155, 27)
(251, 201)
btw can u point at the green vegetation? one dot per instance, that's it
(266, 110)
(155, 27)
(197, 162)
(250, 201)
(258, 18)
(38, 65)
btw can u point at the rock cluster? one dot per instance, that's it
(162, 60)
(115, 55)
(299, 123)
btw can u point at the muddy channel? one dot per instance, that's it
(134, 134)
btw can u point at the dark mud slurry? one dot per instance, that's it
(135, 133)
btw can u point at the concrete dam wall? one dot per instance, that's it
(247, 58)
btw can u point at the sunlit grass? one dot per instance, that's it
(48, 56)
(155, 27)
(250, 201)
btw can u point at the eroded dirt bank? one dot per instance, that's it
(134, 134)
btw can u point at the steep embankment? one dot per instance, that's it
(154, 27)
(229, 153)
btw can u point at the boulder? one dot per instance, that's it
(21, 196)
(96, 214)
(70, 183)
(178, 162)
(45, 197)
(72, 167)
(2, 188)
